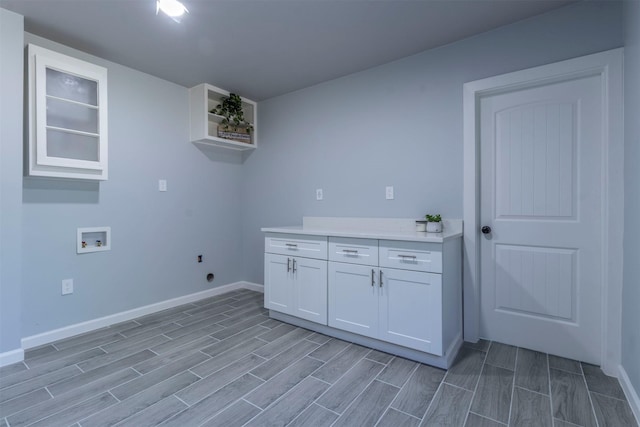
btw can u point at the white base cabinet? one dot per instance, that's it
(406, 310)
(295, 285)
(403, 297)
(401, 306)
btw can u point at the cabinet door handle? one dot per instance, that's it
(294, 265)
(288, 264)
(380, 278)
(373, 277)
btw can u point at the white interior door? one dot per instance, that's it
(540, 193)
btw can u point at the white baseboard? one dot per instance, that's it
(630, 392)
(10, 357)
(91, 325)
(252, 286)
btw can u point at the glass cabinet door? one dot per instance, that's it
(68, 117)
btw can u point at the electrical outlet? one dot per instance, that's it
(389, 192)
(67, 286)
(319, 195)
(199, 258)
(162, 185)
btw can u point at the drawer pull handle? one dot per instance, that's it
(407, 256)
(350, 251)
(291, 245)
(288, 264)
(380, 278)
(373, 275)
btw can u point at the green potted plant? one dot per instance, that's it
(434, 223)
(230, 108)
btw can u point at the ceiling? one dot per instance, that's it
(265, 48)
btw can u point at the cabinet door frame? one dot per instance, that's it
(287, 283)
(310, 294)
(366, 295)
(39, 162)
(418, 324)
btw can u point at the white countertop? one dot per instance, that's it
(371, 228)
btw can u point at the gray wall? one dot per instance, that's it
(398, 124)
(155, 236)
(631, 286)
(11, 42)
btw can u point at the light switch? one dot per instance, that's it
(319, 195)
(389, 192)
(67, 286)
(162, 185)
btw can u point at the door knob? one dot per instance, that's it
(486, 229)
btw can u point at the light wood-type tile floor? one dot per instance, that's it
(223, 362)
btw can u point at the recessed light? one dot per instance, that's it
(172, 8)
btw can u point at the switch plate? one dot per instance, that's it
(67, 286)
(389, 192)
(319, 194)
(162, 185)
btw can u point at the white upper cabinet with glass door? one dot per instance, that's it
(67, 116)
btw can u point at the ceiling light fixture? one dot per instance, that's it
(172, 8)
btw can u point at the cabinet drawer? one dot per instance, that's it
(416, 256)
(353, 251)
(297, 245)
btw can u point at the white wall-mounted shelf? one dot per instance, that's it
(204, 124)
(93, 239)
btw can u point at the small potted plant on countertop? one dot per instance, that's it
(434, 223)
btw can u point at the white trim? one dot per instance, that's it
(630, 392)
(101, 322)
(10, 357)
(609, 66)
(470, 218)
(252, 286)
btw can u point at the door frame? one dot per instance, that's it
(607, 65)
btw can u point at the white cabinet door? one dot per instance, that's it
(296, 286)
(310, 289)
(353, 298)
(411, 309)
(67, 116)
(278, 283)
